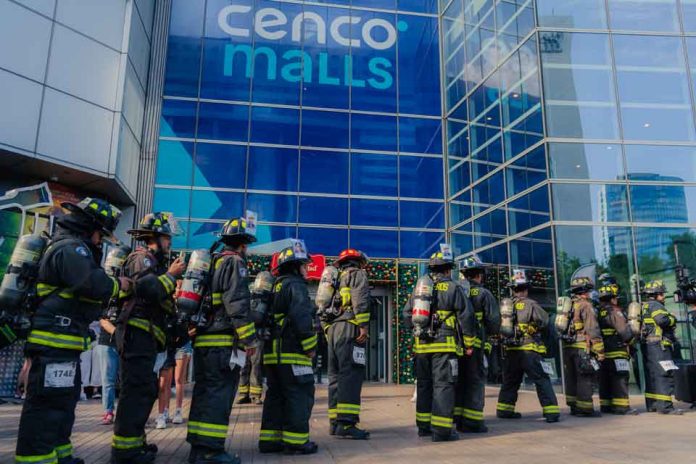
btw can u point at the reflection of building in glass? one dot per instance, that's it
(664, 204)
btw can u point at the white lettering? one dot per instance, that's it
(336, 31)
(270, 17)
(372, 43)
(269, 22)
(319, 28)
(224, 16)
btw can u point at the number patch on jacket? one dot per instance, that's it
(359, 355)
(669, 366)
(299, 371)
(60, 375)
(622, 365)
(547, 368)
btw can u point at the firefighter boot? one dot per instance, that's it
(308, 448)
(453, 436)
(71, 460)
(351, 431)
(216, 457)
(269, 447)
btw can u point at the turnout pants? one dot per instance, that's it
(213, 394)
(138, 392)
(251, 381)
(48, 413)
(578, 383)
(345, 376)
(516, 364)
(287, 407)
(436, 378)
(471, 390)
(613, 387)
(659, 383)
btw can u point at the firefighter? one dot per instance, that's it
(141, 334)
(657, 345)
(471, 390)
(251, 381)
(524, 351)
(72, 288)
(287, 360)
(437, 350)
(220, 348)
(347, 337)
(615, 369)
(583, 350)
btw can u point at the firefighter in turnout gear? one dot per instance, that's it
(251, 381)
(347, 337)
(657, 343)
(583, 350)
(524, 351)
(473, 370)
(141, 334)
(437, 349)
(615, 369)
(219, 347)
(287, 359)
(72, 289)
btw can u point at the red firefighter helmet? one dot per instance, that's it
(351, 254)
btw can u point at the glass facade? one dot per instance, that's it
(570, 137)
(324, 119)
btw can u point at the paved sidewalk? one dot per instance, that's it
(390, 416)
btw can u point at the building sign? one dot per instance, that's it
(280, 38)
(314, 269)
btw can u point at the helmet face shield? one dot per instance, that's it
(175, 229)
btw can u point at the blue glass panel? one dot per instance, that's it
(526, 172)
(600, 203)
(420, 135)
(202, 234)
(661, 203)
(371, 68)
(371, 132)
(275, 125)
(644, 15)
(462, 243)
(374, 175)
(184, 48)
(495, 255)
(328, 87)
(386, 4)
(421, 177)
(273, 208)
(227, 61)
(419, 65)
(419, 6)
(223, 122)
(493, 223)
(575, 14)
(174, 163)
(220, 165)
(279, 64)
(225, 74)
(422, 214)
(325, 129)
(376, 243)
(178, 119)
(373, 212)
(324, 172)
(490, 191)
(420, 245)
(267, 234)
(273, 169)
(323, 210)
(324, 241)
(207, 204)
(459, 175)
(175, 201)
